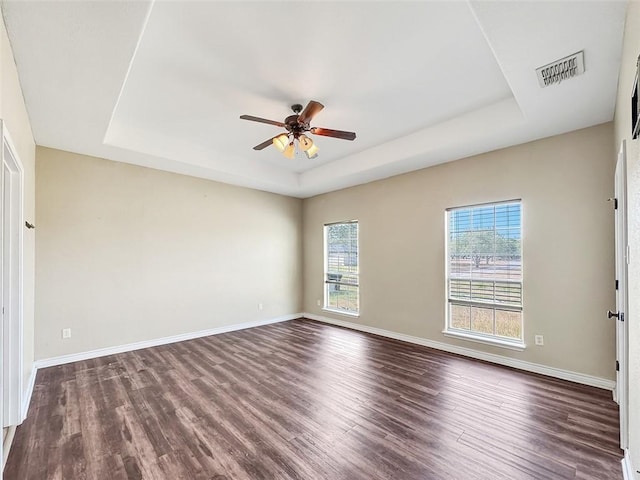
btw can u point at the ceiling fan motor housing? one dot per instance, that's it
(294, 126)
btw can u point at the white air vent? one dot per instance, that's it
(560, 70)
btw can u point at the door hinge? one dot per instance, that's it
(617, 366)
(617, 283)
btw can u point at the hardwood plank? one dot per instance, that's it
(304, 400)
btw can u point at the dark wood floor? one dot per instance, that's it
(303, 400)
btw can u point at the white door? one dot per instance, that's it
(2, 296)
(6, 294)
(11, 338)
(622, 260)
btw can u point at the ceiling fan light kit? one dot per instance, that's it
(281, 142)
(290, 151)
(305, 142)
(297, 125)
(312, 151)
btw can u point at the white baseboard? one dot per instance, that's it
(468, 352)
(101, 352)
(628, 473)
(26, 398)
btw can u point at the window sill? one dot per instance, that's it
(342, 312)
(519, 346)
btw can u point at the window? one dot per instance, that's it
(341, 267)
(484, 272)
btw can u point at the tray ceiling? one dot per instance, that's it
(162, 84)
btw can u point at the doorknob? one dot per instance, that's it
(611, 314)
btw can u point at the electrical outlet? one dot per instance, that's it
(66, 333)
(539, 340)
(319, 303)
(260, 306)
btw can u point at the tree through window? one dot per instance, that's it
(484, 270)
(341, 280)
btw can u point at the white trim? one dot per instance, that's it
(6, 444)
(627, 467)
(101, 352)
(468, 352)
(495, 342)
(622, 293)
(342, 312)
(26, 399)
(11, 385)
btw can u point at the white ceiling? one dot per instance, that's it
(162, 84)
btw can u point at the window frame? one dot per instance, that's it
(480, 337)
(326, 283)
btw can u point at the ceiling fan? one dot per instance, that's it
(297, 125)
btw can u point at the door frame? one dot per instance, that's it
(622, 293)
(11, 291)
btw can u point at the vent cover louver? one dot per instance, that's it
(560, 70)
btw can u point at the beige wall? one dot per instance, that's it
(126, 254)
(631, 50)
(564, 183)
(14, 113)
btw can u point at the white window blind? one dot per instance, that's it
(342, 267)
(484, 265)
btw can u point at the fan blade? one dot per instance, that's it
(327, 132)
(266, 143)
(310, 111)
(261, 120)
